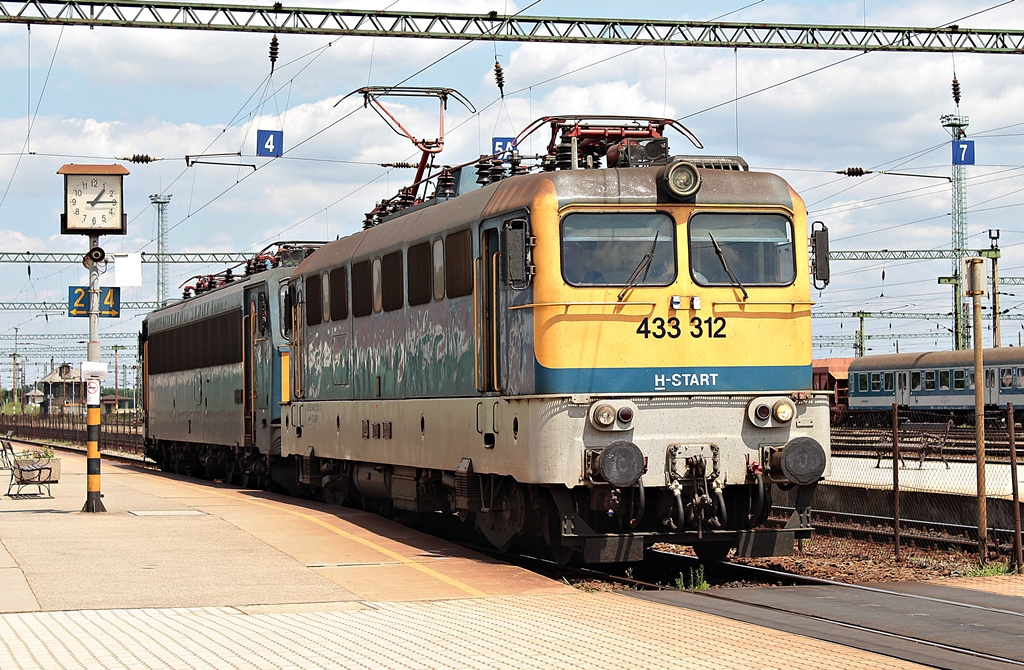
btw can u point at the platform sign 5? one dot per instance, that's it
(963, 152)
(269, 142)
(503, 145)
(110, 301)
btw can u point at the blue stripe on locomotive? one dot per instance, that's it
(680, 380)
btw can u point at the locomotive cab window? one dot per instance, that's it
(619, 248)
(314, 302)
(756, 248)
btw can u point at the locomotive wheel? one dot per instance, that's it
(500, 525)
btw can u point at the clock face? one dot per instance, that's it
(93, 202)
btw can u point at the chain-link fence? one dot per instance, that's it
(910, 478)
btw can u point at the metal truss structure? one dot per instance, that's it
(280, 20)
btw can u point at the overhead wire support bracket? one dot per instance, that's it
(494, 27)
(198, 159)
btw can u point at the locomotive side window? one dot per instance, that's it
(392, 279)
(929, 380)
(418, 284)
(325, 290)
(1005, 378)
(199, 344)
(285, 298)
(314, 302)
(378, 290)
(887, 381)
(757, 248)
(458, 263)
(616, 249)
(438, 264)
(959, 380)
(944, 380)
(362, 289)
(915, 380)
(339, 293)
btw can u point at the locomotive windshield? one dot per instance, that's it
(758, 248)
(606, 249)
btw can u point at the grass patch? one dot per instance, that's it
(695, 581)
(993, 569)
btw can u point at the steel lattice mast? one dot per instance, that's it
(161, 202)
(961, 317)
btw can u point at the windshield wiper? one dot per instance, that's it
(642, 267)
(725, 266)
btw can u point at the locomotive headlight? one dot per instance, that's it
(604, 415)
(763, 412)
(783, 411)
(682, 179)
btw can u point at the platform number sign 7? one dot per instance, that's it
(269, 142)
(963, 152)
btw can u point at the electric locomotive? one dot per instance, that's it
(611, 351)
(212, 375)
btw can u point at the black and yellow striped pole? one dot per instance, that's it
(93, 373)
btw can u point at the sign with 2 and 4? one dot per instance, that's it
(110, 301)
(269, 143)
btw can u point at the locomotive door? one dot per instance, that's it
(258, 372)
(487, 286)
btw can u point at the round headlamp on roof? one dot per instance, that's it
(682, 179)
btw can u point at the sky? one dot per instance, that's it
(89, 96)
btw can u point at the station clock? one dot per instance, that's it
(93, 199)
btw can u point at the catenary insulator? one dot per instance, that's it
(854, 172)
(138, 158)
(274, 50)
(499, 77)
(956, 91)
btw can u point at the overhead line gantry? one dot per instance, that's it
(281, 20)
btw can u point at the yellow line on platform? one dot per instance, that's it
(408, 562)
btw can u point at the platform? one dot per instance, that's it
(181, 573)
(932, 477)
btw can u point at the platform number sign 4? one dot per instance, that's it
(963, 152)
(269, 142)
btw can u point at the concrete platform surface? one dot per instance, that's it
(187, 574)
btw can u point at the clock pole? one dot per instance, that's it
(93, 205)
(94, 499)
